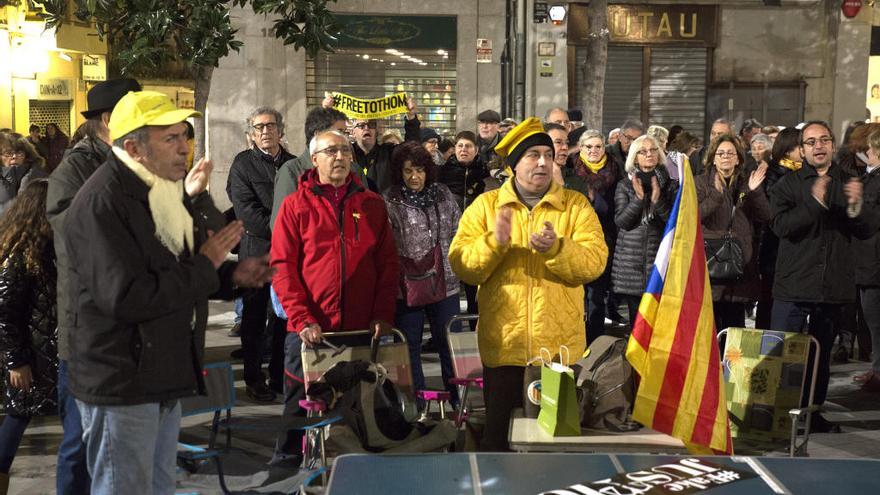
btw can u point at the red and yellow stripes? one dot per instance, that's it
(673, 345)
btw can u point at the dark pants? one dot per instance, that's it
(729, 315)
(595, 299)
(632, 306)
(255, 320)
(792, 317)
(470, 294)
(502, 392)
(764, 312)
(72, 474)
(870, 310)
(411, 321)
(276, 333)
(11, 432)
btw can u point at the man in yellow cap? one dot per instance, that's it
(144, 262)
(530, 246)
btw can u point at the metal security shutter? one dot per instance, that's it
(677, 92)
(50, 112)
(623, 84)
(369, 73)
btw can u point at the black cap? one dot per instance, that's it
(104, 96)
(489, 116)
(426, 133)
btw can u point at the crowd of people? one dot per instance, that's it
(544, 228)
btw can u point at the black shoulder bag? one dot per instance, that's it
(724, 256)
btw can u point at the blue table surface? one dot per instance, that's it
(511, 474)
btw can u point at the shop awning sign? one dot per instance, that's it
(376, 108)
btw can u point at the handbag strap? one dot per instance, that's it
(428, 217)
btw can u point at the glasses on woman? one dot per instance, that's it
(10, 154)
(649, 151)
(725, 154)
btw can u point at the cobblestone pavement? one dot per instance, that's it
(33, 471)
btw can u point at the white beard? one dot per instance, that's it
(174, 225)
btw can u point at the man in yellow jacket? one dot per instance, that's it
(530, 246)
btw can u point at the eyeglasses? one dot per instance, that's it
(628, 137)
(725, 154)
(332, 151)
(268, 126)
(649, 151)
(592, 146)
(365, 125)
(824, 140)
(10, 154)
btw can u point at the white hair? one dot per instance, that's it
(634, 150)
(313, 143)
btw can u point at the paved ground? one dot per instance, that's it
(33, 471)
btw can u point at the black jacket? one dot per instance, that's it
(465, 182)
(815, 262)
(27, 334)
(250, 186)
(78, 165)
(377, 162)
(140, 312)
(617, 157)
(640, 230)
(867, 251)
(769, 248)
(14, 179)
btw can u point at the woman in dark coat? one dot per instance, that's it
(423, 215)
(28, 342)
(785, 157)
(56, 143)
(642, 203)
(723, 186)
(19, 164)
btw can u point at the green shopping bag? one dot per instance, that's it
(559, 405)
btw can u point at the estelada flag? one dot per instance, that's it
(673, 346)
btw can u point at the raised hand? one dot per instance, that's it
(253, 272)
(757, 177)
(327, 102)
(220, 243)
(543, 240)
(655, 190)
(820, 188)
(503, 225)
(637, 186)
(197, 179)
(411, 108)
(853, 190)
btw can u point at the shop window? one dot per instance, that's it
(372, 73)
(50, 112)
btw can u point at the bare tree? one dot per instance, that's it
(592, 94)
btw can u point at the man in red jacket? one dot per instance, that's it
(337, 266)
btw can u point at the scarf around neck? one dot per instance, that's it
(791, 164)
(594, 167)
(420, 199)
(174, 225)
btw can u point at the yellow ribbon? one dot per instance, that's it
(595, 167)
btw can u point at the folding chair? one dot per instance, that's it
(467, 368)
(764, 375)
(220, 387)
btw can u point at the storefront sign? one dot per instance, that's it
(484, 51)
(369, 31)
(650, 24)
(378, 108)
(94, 67)
(851, 8)
(54, 89)
(685, 476)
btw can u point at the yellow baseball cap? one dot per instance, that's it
(142, 108)
(530, 132)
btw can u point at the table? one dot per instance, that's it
(533, 474)
(526, 436)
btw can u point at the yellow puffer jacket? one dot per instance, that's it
(529, 300)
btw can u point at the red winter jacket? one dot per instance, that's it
(314, 243)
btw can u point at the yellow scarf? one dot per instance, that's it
(174, 225)
(791, 164)
(595, 167)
